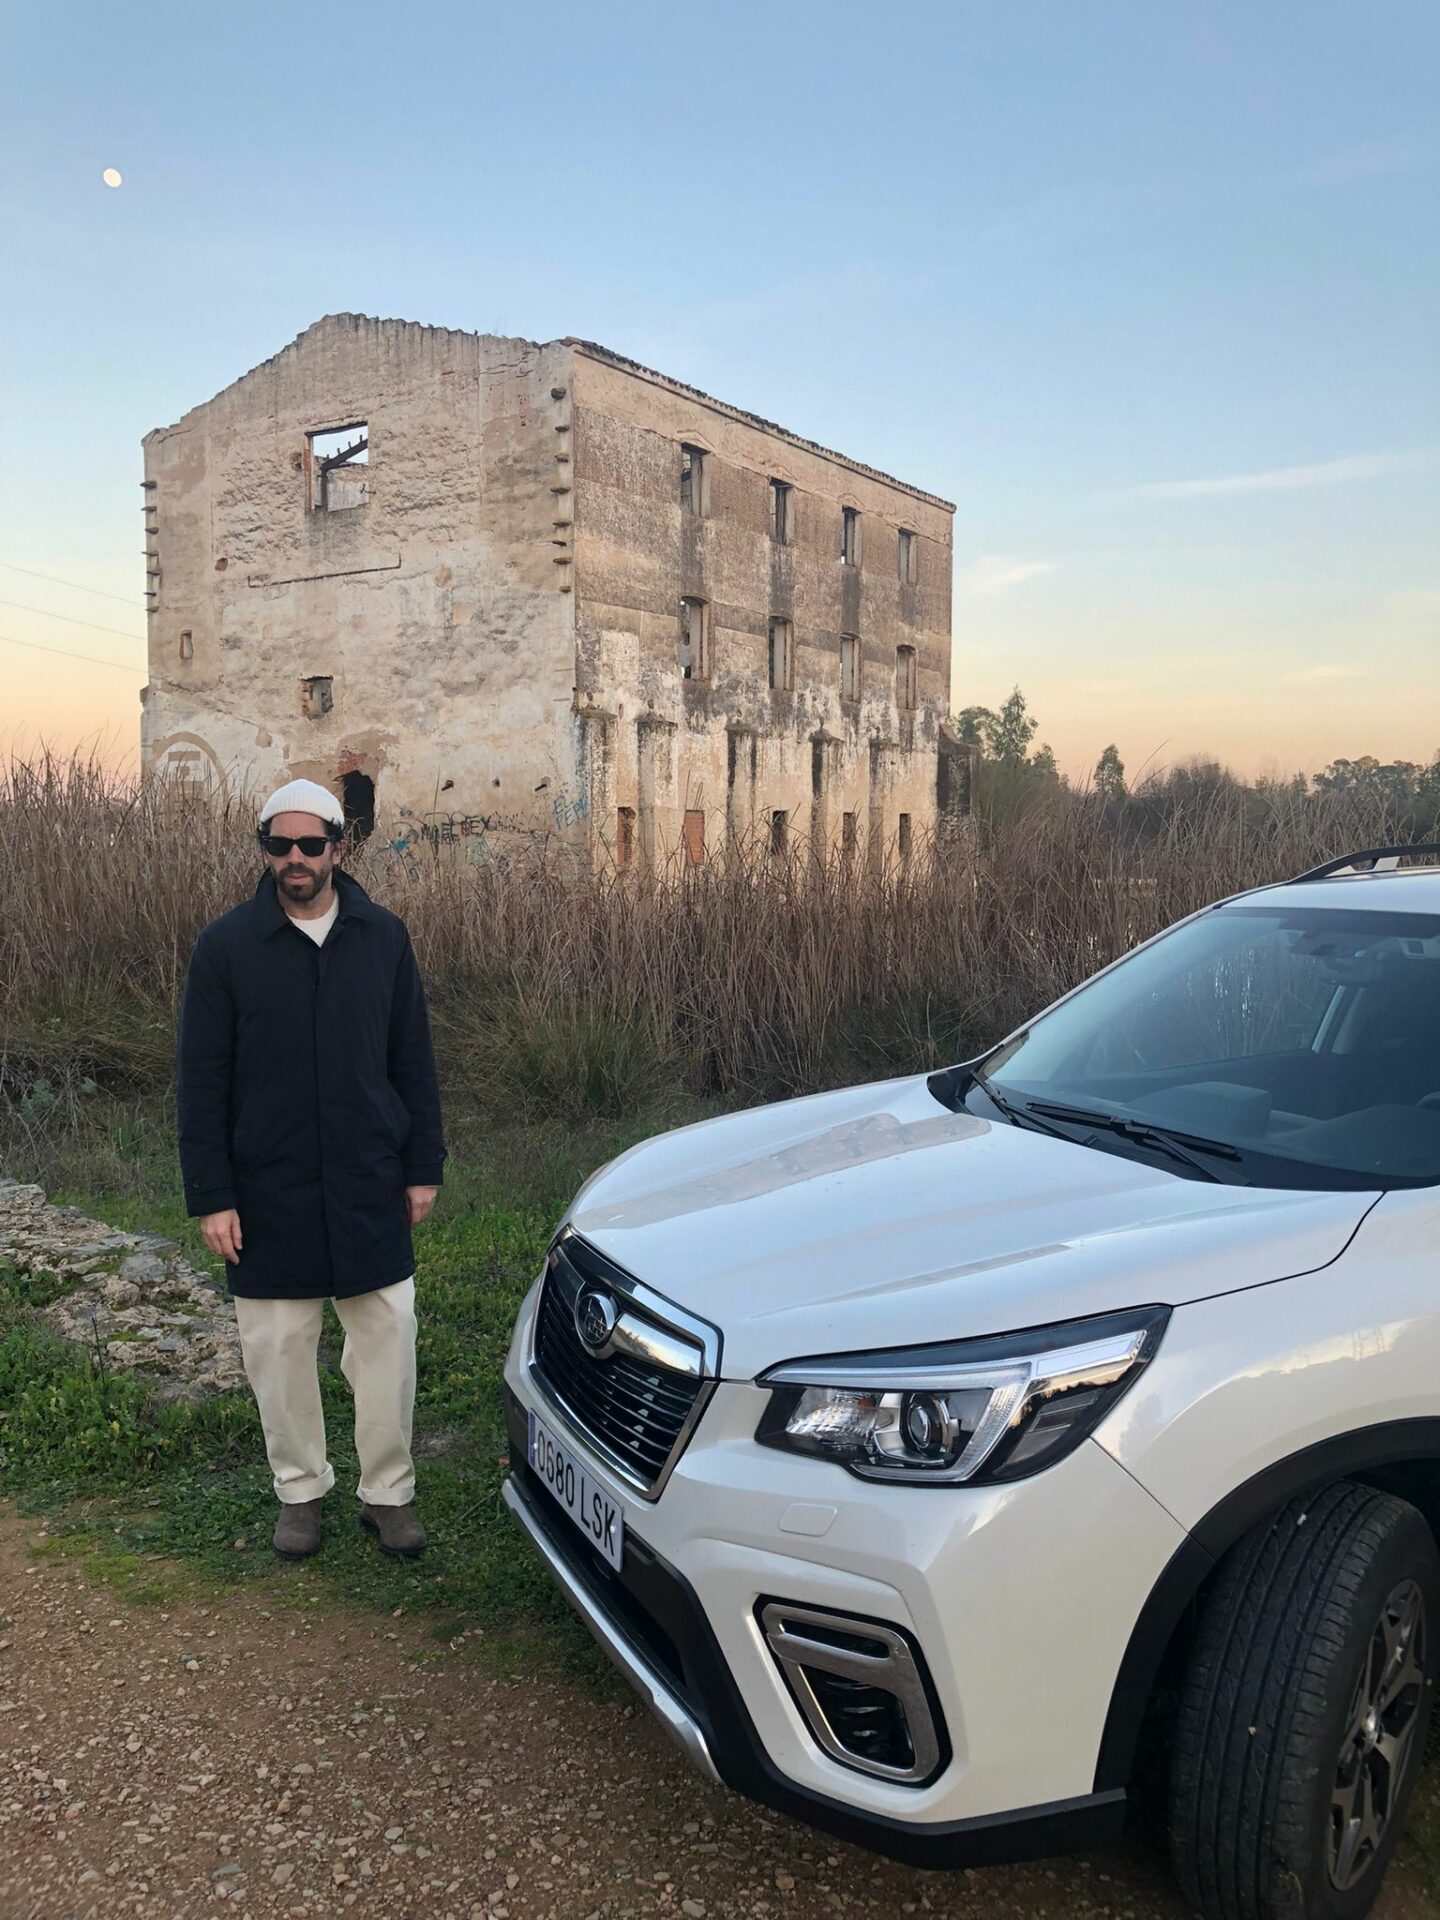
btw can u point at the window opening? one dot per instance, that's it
(904, 836)
(317, 695)
(340, 468)
(624, 836)
(850, 536)
(357, 796)
(779, 832)
(849, 667)
(906, 679)
(847, 834)
(187, 645)
(694, 480)
(780, 512)
(782, 655)
(694, 639)
(908, 556)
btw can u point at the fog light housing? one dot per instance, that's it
(862, 1689)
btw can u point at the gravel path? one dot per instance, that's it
(227, 1760)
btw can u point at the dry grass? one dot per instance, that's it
(575, 995)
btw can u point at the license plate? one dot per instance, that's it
(588, 1505)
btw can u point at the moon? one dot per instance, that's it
(111, 176)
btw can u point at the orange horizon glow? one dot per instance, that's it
(69, 707)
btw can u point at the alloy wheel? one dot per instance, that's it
(1379, 1734)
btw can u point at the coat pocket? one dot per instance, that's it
(265, 1130)
(397, 1116)
(243, 1133)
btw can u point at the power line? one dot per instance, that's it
(66, 654)
(125, 599)
(70, 621)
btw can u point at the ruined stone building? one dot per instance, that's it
(486, 590)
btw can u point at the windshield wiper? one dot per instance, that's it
(1016, 1115)
(1182, 1146)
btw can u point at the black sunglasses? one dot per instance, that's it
(312, 845)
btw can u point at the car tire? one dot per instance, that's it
(1304, 1709)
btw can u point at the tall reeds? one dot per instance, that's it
(569, 993)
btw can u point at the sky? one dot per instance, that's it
(1148, 288)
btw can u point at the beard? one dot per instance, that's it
(301, 884)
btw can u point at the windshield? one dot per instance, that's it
(1304, 1044)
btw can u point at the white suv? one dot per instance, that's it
(908, 1447)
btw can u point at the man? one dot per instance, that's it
(310, 1143)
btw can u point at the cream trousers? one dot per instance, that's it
(279, 1339)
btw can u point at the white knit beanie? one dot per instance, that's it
(303, 796)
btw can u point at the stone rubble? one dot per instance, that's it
(129, 1298)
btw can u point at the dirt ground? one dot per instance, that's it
(234, 1760)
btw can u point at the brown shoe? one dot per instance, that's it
(397, 1528)
(297, 1531)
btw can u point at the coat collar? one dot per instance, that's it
(267, 915)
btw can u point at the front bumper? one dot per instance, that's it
(1017, 1638)
(618, 1638)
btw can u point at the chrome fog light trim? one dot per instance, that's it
(867, 1654)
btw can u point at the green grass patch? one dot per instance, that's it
(569, 1058)
(38, 1288)
(153, 1495)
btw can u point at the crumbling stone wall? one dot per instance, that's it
(433, 606)
(442, 573)
(726, 745)
(129, 1299)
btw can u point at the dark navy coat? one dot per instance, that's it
(307, 1094)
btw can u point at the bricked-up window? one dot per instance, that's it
(905, 841)
(340, 468)
(849, 667)
(624, 836)
(847, 834)
(782, 655)
(780, 511)
(850, 536)
(317, 695)
(780, 832)
(907, 686)
(908, 556)
(694, 639)
(692, 836)
(694, 480)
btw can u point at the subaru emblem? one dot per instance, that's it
(595, 1318)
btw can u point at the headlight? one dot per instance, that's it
(976, 1410)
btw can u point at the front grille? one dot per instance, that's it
(638, 1396)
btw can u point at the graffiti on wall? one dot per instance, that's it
(475, 835)
(469, 832)
(570, 812)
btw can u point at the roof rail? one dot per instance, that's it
(1369, 860)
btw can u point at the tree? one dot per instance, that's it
(1395, 782)
(1196, 782)
(1110, 774)
(1043, 761)
(1011, 731)
(1005, 735)
(1274, 787)
(972, 726)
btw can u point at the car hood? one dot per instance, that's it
(877, 1217)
